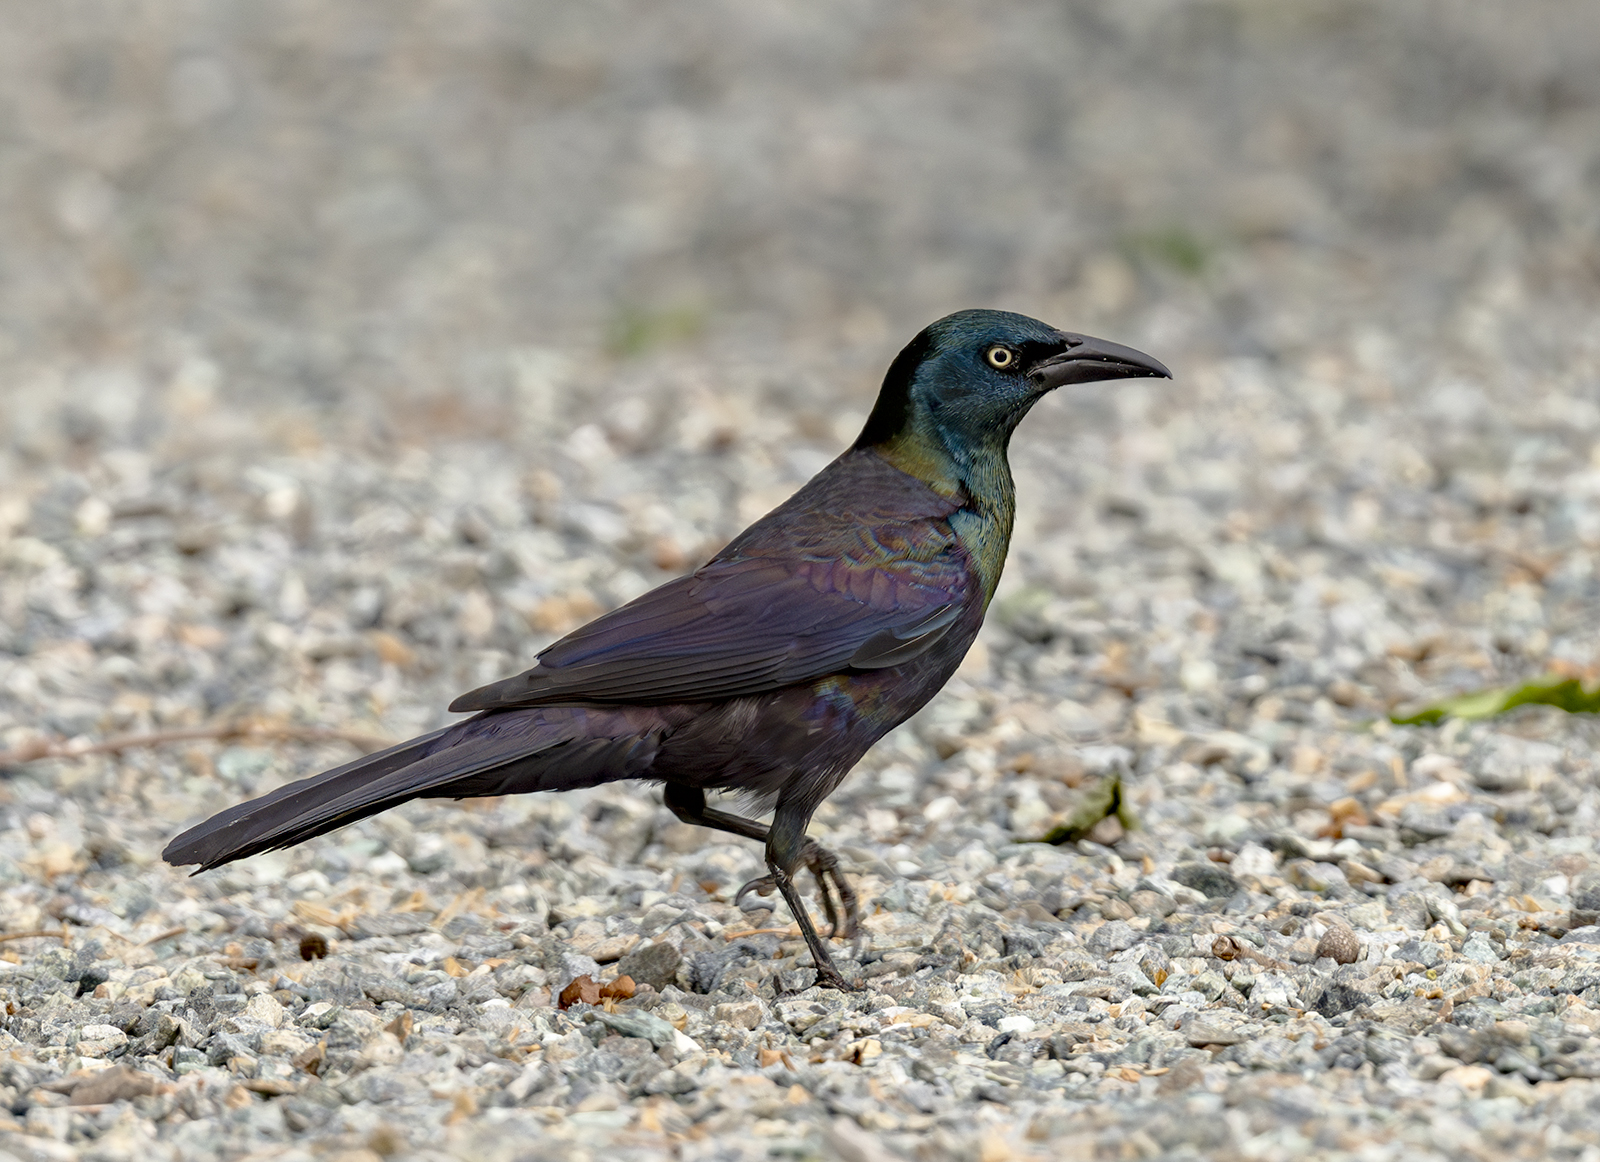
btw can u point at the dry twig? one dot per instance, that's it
(37, 749)
(1229, 948)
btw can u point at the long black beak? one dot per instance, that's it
(1088, 360)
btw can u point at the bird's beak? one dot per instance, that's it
(1088, 360)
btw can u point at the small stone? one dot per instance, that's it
(1112, 936)
(1312, 876)
(1148, 903)
(311, 1057)
(1513, 1086)
(1357, 872)
(608, 949)
(848, 1142)
(582, 990)
(100, 1040)
(1339, 997)
(741, 1014)
(1253, 860)
(1115, 909)
(1435, 1066)
(1477, 948)
(119, 1083)
(1367, 917)
(264, 1008)
(1424, 952)
(375, 924)
(1108, 832)
(646, 1026)
(653, 964)
(570, 965)
(320, 1014)
(1209, 879)
(283, 1042)
(381, 988)
(1201, 1034)
(1339, 944)
(163, 1030)
(1224, 830)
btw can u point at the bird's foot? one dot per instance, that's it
(829, 977)
(832, 979)
(824, 865)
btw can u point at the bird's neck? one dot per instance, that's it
(979, 477)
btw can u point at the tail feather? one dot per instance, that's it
(489, 755)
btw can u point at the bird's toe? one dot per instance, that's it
(829, 977)
(761, 886)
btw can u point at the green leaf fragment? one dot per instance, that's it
(1566, 693)
(1103, 800)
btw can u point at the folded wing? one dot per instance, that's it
(752, 623)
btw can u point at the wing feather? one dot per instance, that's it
(760, 617)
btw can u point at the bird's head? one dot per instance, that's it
(968, 379)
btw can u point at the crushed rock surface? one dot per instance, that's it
(326, 482)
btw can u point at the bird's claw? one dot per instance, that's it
(824, 865)
(761, 886)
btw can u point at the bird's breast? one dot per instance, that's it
(986, 538)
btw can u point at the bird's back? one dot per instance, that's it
(859, 568)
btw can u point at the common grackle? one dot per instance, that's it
(773, 667)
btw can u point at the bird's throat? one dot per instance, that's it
(980, 480)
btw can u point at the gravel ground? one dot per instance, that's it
(351, 355)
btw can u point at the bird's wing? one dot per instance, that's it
(752, 623)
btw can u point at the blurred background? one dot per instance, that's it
(351, 352)
(373, 205)
(536, 304)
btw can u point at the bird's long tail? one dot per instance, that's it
(492, 754)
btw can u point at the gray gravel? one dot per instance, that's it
(349, 356)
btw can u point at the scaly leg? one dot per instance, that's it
(786, 845)
(689, 804)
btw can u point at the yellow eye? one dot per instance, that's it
(1000, 357)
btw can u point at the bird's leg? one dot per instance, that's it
(825, 866)
(786, 846)
(689, 804)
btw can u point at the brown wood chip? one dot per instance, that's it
(583, 989)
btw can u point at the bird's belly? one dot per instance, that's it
(813, 733)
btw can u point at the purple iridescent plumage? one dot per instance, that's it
(773, 668)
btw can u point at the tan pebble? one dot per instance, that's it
(1471, 1078)
(1115, 909)
(1148, 903)
(1108, 832)
(1340, 944)
(1357, 872)
(743, 1014)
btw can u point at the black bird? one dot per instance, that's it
(772, 668)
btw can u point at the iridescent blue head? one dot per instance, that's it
(968, 379)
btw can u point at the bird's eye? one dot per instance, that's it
(1000, 357)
